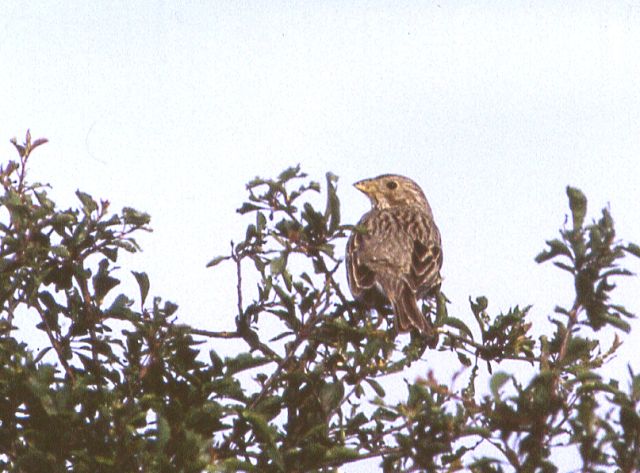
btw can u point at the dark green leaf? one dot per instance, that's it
(247, 207)
(169, 308)
(120, 307)
(103, 282)
(633, 249)
(217, 260)
(332, 211)
(376, 387)
(243, 361)
(143, 284)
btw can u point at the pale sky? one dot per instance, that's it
(492, 107)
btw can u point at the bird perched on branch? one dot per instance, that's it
(396, 255)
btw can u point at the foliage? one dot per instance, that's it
(123, 387)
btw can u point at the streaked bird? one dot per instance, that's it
(398, 256)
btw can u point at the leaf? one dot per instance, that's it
(164, 432)
(103, 282)
(290, 173)
(169, 308)
(497, 381)
(88, 204)
(617, 322)
(143, 284)
(263, 432)
(578, 206)
(111, 253)
(332, 211)
(278, 264)
(339, 455)
(133, 217)
(21, 149)
(38, 142)
(633, 249)
(376, 387)
(479, 306)
(243, 361)
(217, 260)
(564, 267)
(556, 247)
(120, 307)
(464, 359)
(458, 324)
(247, 207)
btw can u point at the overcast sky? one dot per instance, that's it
(492, 107)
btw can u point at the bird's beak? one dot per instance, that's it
(363, 186)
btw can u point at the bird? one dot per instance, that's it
(394, 254)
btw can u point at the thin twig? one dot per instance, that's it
(209, 333)
(573, 318)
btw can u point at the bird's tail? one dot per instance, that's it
(409, 316)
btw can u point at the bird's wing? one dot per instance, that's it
(360, 276)
(426, 256)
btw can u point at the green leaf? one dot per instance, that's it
(134, 217)
(278, 264)
(633, 249)
(332, 211)
(481, 303)
(217, 260)
(578, 206)
(143, 284)
(263, 432)
(120, 307)
(103, 282)
(169, 308)
(247, 207)
(290, 173)
(458, 324)
(88, 204)
(617, 322)
(497, 381)
(376, 387)
(164, 432)
(556, 247)
(464, 359)
(339, 455)
(243, 361)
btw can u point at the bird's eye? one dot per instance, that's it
(391, 185)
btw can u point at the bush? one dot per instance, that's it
(122, 386)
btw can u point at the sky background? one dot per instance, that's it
(492, 107)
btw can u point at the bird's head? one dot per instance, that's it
(392, 190)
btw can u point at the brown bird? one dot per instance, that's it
(397, 259)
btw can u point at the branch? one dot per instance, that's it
(55, 343)
(573, 318)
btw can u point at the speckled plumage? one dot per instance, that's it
(399, 256)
